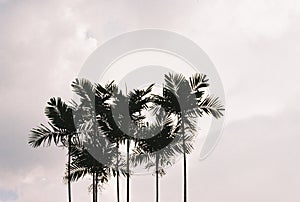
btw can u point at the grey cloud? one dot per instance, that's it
(44, 44)
(256, 160)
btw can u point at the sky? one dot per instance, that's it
(254, 45)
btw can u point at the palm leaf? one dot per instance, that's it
(76, 173)
(173, 82)
(198, 81)
(43, 135)
(60, 114)
(84, 89)
(212, 106)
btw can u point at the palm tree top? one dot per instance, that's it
(61, 125)
(189, 97)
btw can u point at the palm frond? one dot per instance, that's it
(76, 173)
(212, 106)
(60, 114)
(43, 135)
(104, 93)
(138, 99)
(198, 81)
(173, 82)
(84, 89)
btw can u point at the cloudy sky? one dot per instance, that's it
(254, 44)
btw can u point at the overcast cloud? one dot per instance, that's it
(254, 44)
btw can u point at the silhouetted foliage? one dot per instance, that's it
(61, 130)
(105, 119)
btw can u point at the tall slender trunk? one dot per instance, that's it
(128, 174)
(184, 164)
(93, 187)
(157, 173)
(69, 167)
(118, 175)
(96, 187)
(185, 177)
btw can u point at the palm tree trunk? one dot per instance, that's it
(118, 187)
(157, 172)
(128, 175)
(96, 187)
(118, 180)
(185, 177)
(184, 165)
(69, 167)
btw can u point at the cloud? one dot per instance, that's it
(256, 160)
(254, 44)
(268, 19)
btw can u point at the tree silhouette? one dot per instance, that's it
(61, 130)
(95, 157)
(106, 119)
(188, 100)
(156, 145)
(107, 123)
(97, 100)
(121, 120)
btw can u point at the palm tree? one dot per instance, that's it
(121, 120)
(104, 96)
(189, 100)
(117, 115)
(61, 130)
(157, 145)
(95, 158)
(111, 123)
(97, 99)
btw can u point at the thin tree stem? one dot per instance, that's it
(128, 175)
(157, 172)
(96, 187)
(118, 187)
(184, 164)
(185, 177)
(69, 167)
(93, 187)
(118, 181)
